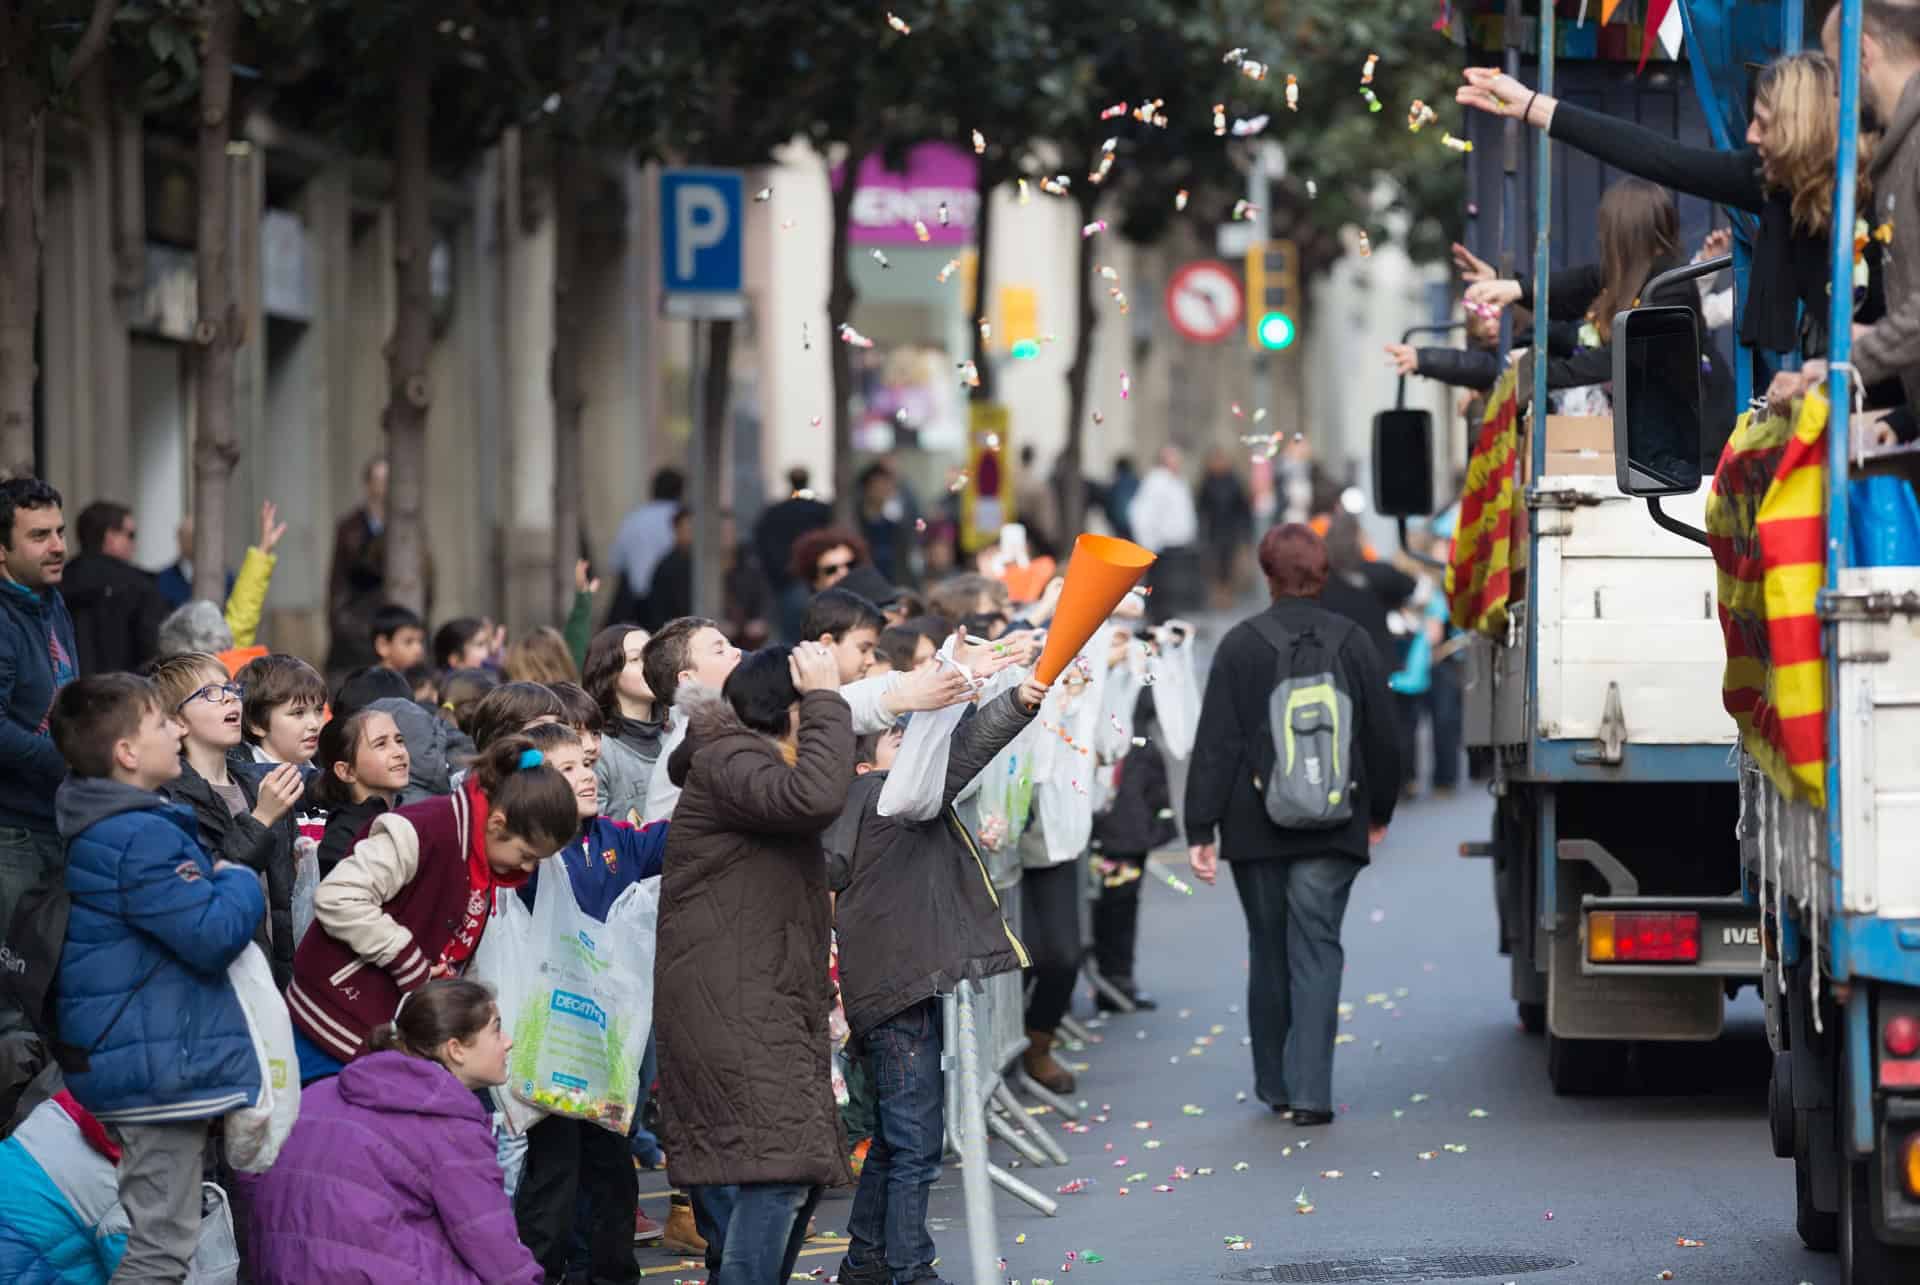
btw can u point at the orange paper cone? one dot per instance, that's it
(1098, 577)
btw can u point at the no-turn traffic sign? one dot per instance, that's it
(1204, 301)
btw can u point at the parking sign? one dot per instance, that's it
(702, 218)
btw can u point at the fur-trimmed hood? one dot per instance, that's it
(710, 720)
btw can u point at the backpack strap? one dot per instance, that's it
(1281, 639)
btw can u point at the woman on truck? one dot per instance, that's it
(1784, 174)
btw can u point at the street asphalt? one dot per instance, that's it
(1450, 1158)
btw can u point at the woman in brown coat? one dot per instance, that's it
(742, 994)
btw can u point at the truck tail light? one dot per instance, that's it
(1643, 937)
(1911, 1169)
(1900, 1037)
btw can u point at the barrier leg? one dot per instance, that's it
(1013, 1186)
(976, 1181)
(1107, 990)
(1071, 1025)
(1033, 1088)
(1018, 1139)
(1046, 1141)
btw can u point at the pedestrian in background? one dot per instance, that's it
(644, 538)
(774, 536)
(116, 607)
(1226, 524)
(357, 576)
(1294, 879)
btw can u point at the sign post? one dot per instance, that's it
(702, 233)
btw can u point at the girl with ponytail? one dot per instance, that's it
(409, 903)
(389, 1173)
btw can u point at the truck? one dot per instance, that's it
(1596, 710)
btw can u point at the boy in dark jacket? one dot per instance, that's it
(916, 915)
(143, 994)
(1140, 820)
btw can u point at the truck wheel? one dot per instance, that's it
(1819, 1231)
(1533, 1017)
(1864, 1258)
(1780, 1119)
(1587, 1067)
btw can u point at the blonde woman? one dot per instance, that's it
(541, 657)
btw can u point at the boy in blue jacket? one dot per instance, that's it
(144, 1005)
(571, 1163)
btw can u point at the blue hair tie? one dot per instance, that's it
(529, 758)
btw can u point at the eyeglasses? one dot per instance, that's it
(214, 694)
(832, 568)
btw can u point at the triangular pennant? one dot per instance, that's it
(1672, 29)
(1657, 11)
(1606, 10)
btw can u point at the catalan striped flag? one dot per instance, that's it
(1480, 568)
(1766, 525)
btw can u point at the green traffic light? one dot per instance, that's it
(1276, 331)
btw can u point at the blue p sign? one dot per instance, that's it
(701, 212)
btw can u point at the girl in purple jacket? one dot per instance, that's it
(390, 1173)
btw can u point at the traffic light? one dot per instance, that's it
(1273, 295)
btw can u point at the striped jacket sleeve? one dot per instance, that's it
(350, 903)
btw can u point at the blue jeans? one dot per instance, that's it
(1294, 909)
(889, 1221)
(754, 1231)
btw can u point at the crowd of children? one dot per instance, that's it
(366, 839)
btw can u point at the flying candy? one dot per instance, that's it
(1419, 116)
(1373, 101)
(958, 484)
(1253, 70)
(1244, 210)
(881, 259)
(1219, 120)
(979, 143)
(1313, 189)
(1293, 93)
(1126, 385)
(1100, 171)
(945, 216)
(953, 266)
(1366, 73)
(848, 335)
(1098, 418)
(920, 231)
(1026, 193)
(1055, 186)
(1366, 247)
(1180, 199)
(1098, 225)
(1250, 127)
(899, 25)
(1457, 144)
(970, 374)
(1108, 271)
(764, 195)
(1118, 109)
(1234, 55)
(1148, 113)
(986, 331)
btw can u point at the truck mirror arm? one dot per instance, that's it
(1667, 521)
(1690, 272)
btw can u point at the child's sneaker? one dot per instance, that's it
(645, 1229)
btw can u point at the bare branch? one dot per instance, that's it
(93, 41)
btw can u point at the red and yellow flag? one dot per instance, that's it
(1766, 525)
(1479, 570)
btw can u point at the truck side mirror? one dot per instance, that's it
(1403, 463)
(1657, 401)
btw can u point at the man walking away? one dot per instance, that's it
(645, 537)
(357, 576)
(774, 536)
(1163, 519)
(1293, 806)
(37, 651)
(116, 607)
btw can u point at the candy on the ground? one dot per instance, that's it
(764, 195)
(1241, 1166)
(1418, 1097)
(1331, 1173)
(1478, 1113)
(1687, 1243)
(1191, 1109)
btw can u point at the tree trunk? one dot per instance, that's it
(408, 393)
(1073, 499)
(709, 556)
(985, 180)
(569, 175)
(840, 301)
(19, 240)
(217, 331)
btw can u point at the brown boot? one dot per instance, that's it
(682, 1236)
(1041, 1066)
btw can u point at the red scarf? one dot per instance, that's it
(482, 880)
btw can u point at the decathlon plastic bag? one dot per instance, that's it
(504, 960)
(1063, 756)
(254, 1133)
(584, 1018)
(916, 783)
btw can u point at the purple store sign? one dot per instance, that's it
(886, 203)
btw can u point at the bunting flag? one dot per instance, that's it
(1663, 21)
(1606, 10)
(1480, 567)
(1766, 526)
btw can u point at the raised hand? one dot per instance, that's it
(1471, 266)
(1403, 359)
(581, 583)
(270, 530)
(280, 789)
(814, 668)
(1491, 90)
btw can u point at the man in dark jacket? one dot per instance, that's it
(916, 914)
(117, 608)
(37, 659)
(357, 575)
(774, 535)
(1293, 884)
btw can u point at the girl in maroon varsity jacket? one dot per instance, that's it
(411, 900)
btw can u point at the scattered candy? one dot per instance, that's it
(1237, 1244)
(1429, 1155)
(764, 195)
(1419, 1097)
(1457, 144)
(1164, 1187)
(1098, 225)
(970, 374)
(1026, 193)
(1253, 70)
(920, 232)
(1293, 93)
(1478, 1113)
(1180, 199)
(1153, 1144)
(1456, 1148)
(979, 143)
(1241, 1166)
(1366, 246)
(1118, 109)
(1419, 116)
(953, 266)
(1331, 1173)
(1244, 209)
(1373, 101)
(1219, 120)
(1685, 1243)
(899, 25)
(1075, 1187)
(1191, 1109)
(1126, 383)
(1549, 1215)
(1241, 1096)
(1366, 72)
(848, 335)
(986, 331)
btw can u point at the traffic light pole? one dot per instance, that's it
(1259, 189)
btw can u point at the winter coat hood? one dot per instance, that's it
(396, 1083)
(83, 800)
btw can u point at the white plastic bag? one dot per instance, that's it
(917, 781)
(254, 1134)
(216, 1254)
(504, 961)
(583, 1022)
(1176, 692)
(306, 878)
(1063, 756)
